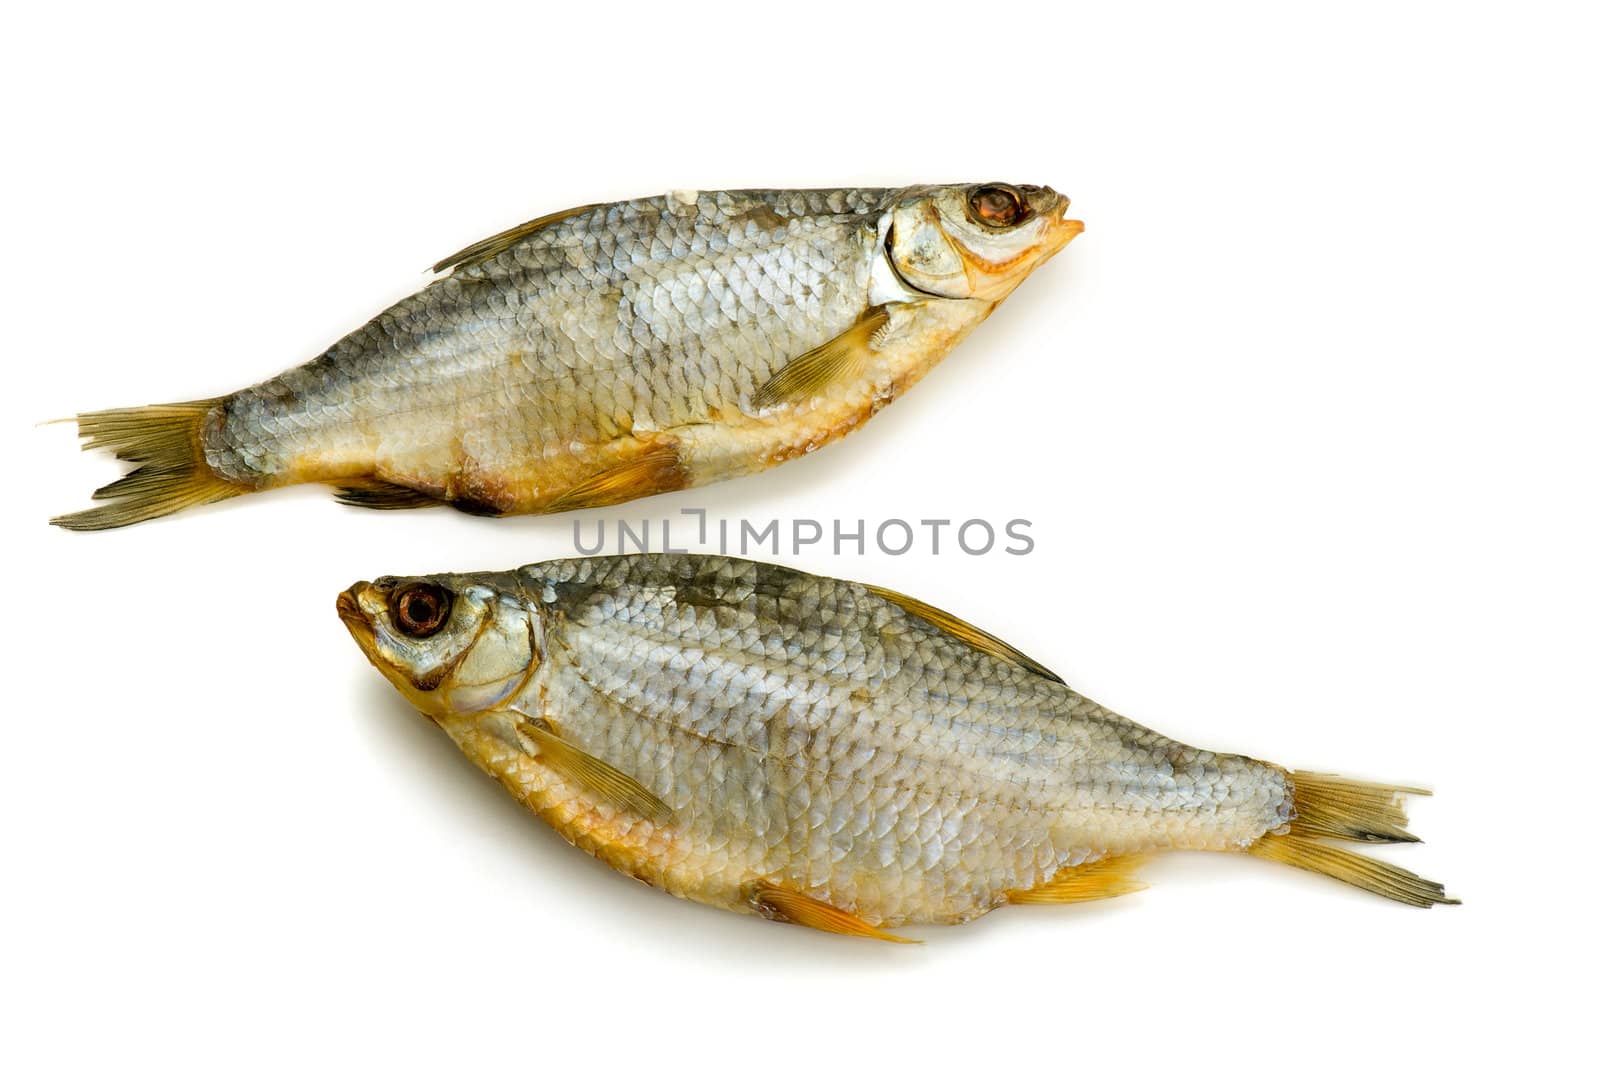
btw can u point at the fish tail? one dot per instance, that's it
(1334, 808)
(170, 470)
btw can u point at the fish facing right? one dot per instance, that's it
(608, 352)
(828, 753)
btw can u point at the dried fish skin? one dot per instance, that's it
(769, 741)
(609, 352)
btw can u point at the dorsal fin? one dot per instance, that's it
(489, 247)
(961, 630)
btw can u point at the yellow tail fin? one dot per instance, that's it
(171, 471)
(1336, 808)
(1330, 807)
(1369, 874)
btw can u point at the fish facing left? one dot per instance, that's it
(828, 753)
(608, 352)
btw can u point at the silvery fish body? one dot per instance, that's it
(765, 740)
(609, 352)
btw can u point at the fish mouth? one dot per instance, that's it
(1056, 229)
(355, 619)
(1062, 230)
(1066, 228)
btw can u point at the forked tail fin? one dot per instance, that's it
(1330, 807)
(170, 465)
(1333, 807)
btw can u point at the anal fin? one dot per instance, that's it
(375, 493)
(786, 904)
(587, 771)
(1104, 879)
(652, 470)
(812, 372)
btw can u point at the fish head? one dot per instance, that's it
(975, 241)
(451, 644)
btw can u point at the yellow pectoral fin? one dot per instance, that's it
(654, 470)
(772, 900)
(968, 634)
(841, 358)
(587, 771)
(1104, 879)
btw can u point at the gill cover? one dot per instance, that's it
(975, 241)
(449, 650)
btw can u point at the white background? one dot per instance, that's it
(1305, 423)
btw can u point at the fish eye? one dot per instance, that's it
(419, 609)
(997, 206)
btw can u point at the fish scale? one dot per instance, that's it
(820, 751)
(460, 336)
(603, 354)
(763, 748)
